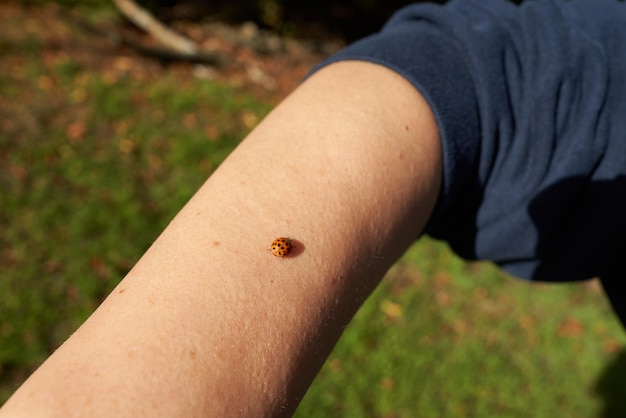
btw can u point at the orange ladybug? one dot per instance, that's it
(281, 246)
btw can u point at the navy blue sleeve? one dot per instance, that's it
(530, 102)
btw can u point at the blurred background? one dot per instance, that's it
(106, 130)
(349, 19)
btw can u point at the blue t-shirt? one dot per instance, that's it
(530, 102)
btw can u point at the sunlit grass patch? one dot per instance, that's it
(444, 338)
(93, 165)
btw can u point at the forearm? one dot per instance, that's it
(209, 322)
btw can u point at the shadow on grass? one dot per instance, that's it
(611, 387)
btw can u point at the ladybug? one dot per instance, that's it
(281, 246)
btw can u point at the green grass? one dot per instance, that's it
(93, 165)
(445, 338)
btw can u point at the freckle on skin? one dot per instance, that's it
(216, 243)
(121, 291)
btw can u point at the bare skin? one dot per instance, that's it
(209, 322)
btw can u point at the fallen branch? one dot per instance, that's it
(160, 53)
(150, 24)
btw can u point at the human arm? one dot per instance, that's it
(208, 322)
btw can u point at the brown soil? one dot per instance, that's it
(251, 58)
